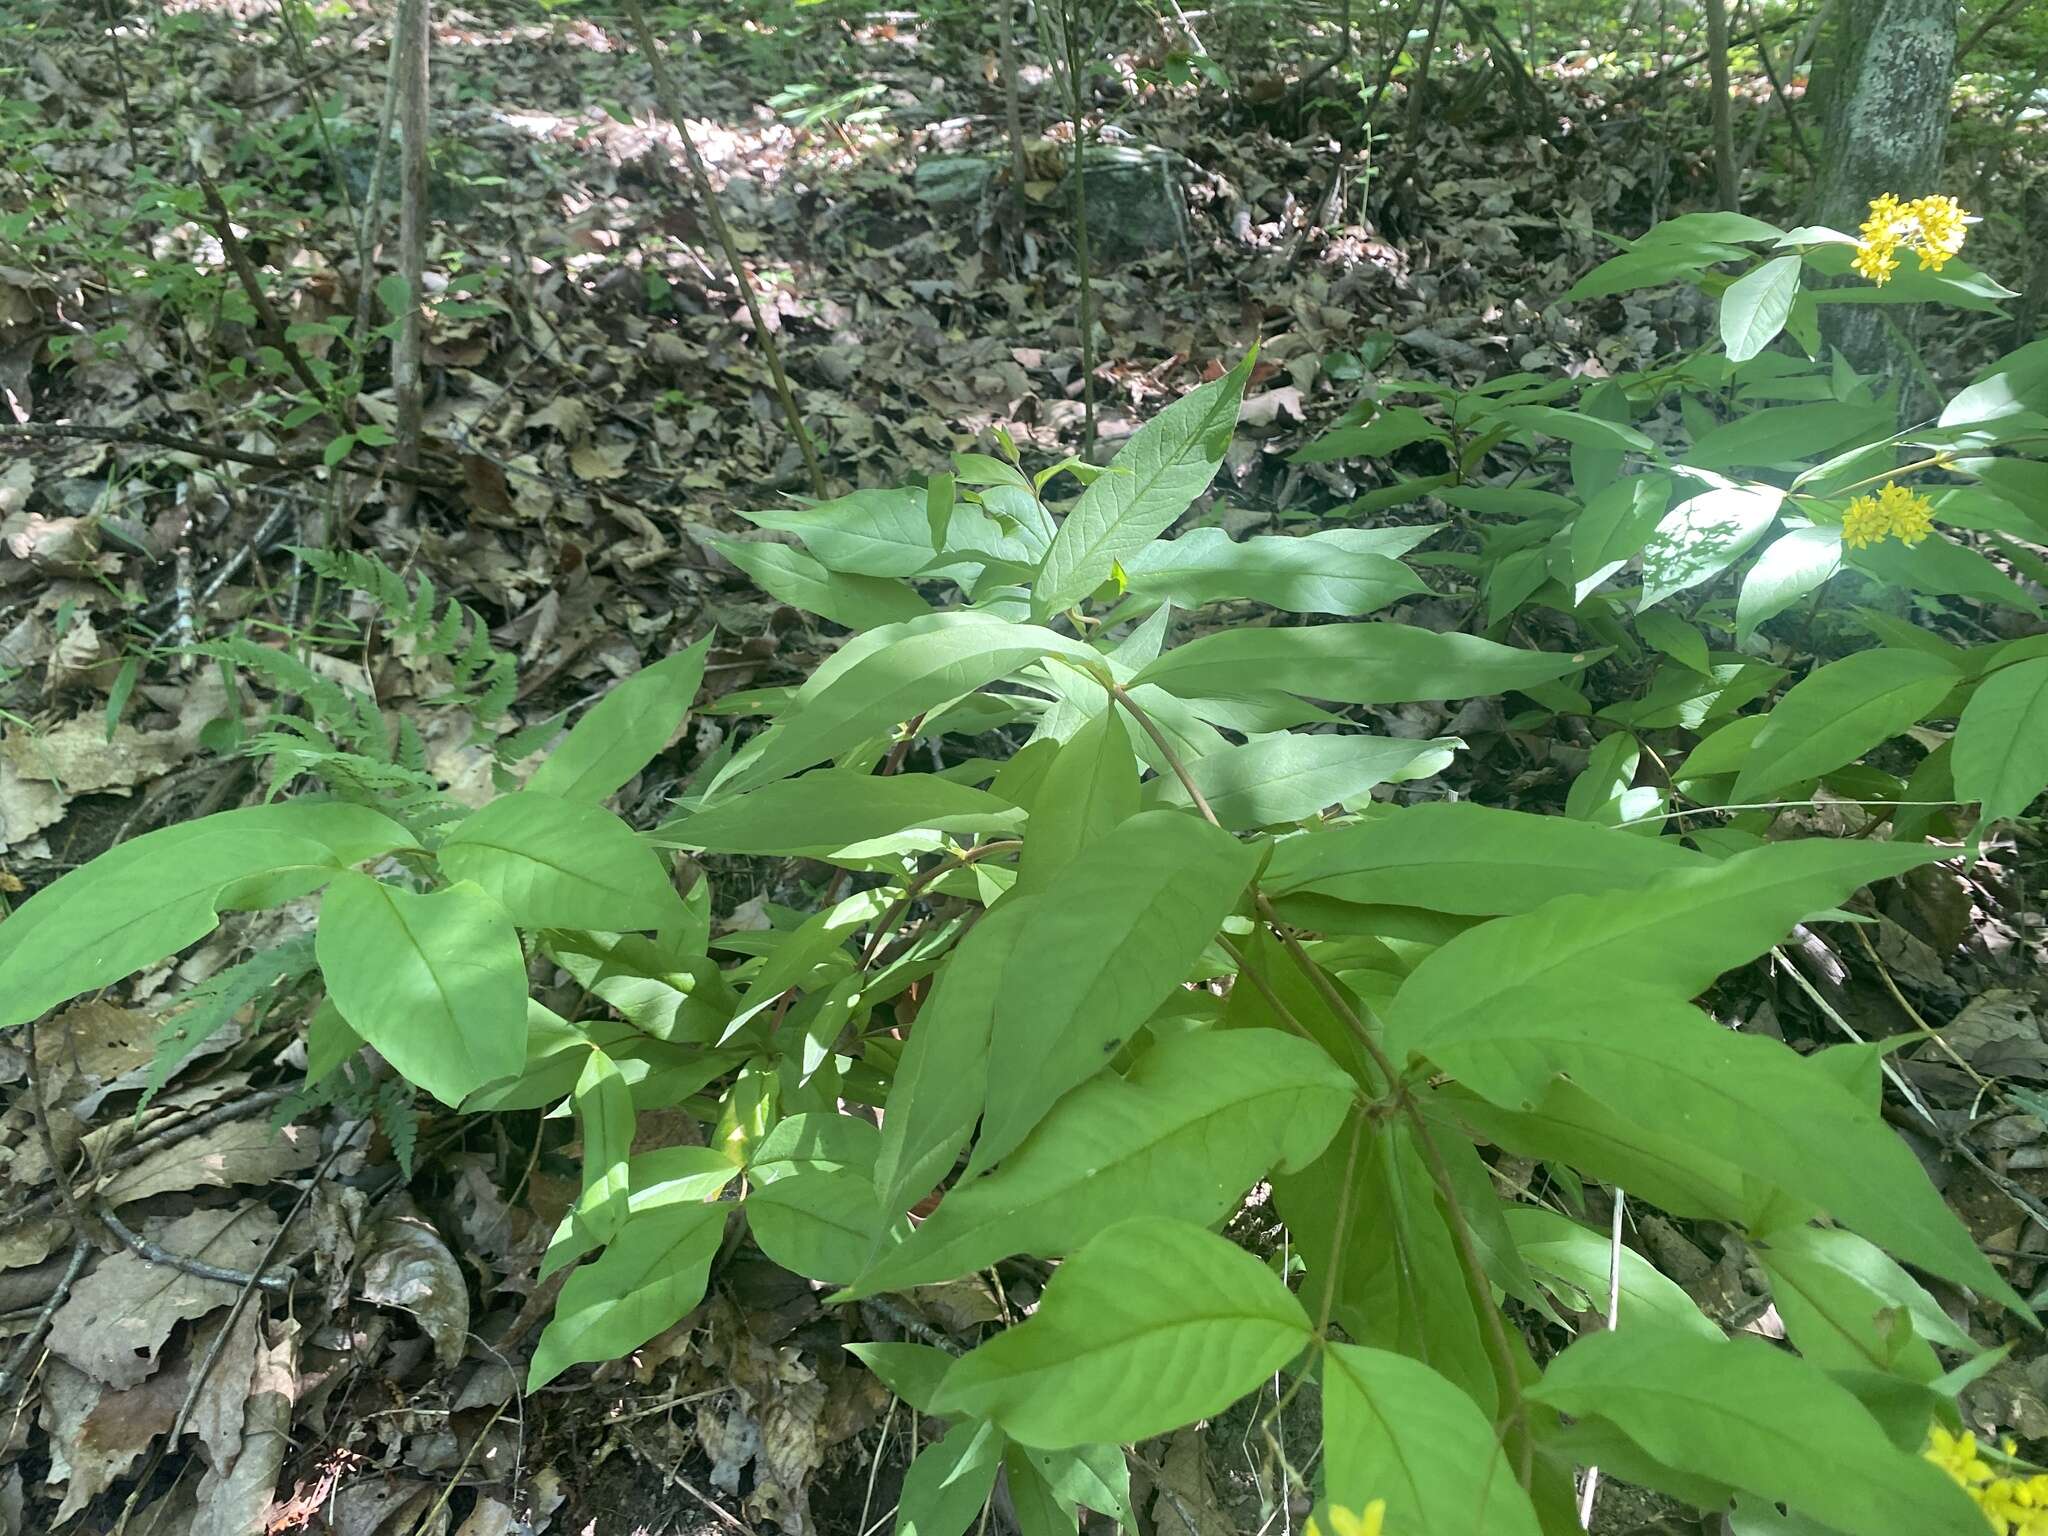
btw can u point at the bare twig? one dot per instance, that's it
(155, 1141)
(17, 1364)
(227, 1327)
(1984, 29)
(1013, 107)
(672, 104)
(1721, 111)
(272, 322)
(154, 1253)
(81, 1225)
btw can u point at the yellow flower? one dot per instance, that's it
(1349, 1522)
(1931, 227)
(1894, 513)
(1911, 514)
(1865, 523)
(1941, 222)
(1957, 1456)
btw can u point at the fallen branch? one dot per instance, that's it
(219, 452)
(17, 1362)
(276, 1281)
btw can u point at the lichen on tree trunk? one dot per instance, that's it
(1890, 76)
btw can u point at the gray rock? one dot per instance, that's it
(1135, 206)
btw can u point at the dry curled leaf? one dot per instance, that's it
(409, 1267)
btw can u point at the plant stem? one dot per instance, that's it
(671, 103)
(1403, 1099)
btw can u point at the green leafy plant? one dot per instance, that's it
(1073, 1000)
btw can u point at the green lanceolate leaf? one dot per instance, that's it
(1741, 1414)
(1786, 433)
(1198, 1121)
(1840, 711)
(623, 730)
(1468, 859)
(146, 898)
(858, 602)
(1353, 664)
(1576, 1261)
(1675, 934)
(912, 1371)
(1702, 536)
(836, 811)
(1616, 524)
(946, 1486)
(867, 533)
(1348, 571)
(1154, 1324)
(667, 1176)
(1394, 1429)
(942, 1082)
(886, 676)
(1840, 1298)
(2001, 741)
(1399, 1284)
(1790, 567)
(555, 863)
(605, 1120)
(1154, 478)
(1291, 777)
(1125, 922)
(1745, 1099)
(2015, 385)
(1756, 306)
(649, 1276)
(1091, 787)
(1039, 1510)
(436, 983)
(823, 1223)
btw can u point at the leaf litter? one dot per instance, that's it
(599, 417)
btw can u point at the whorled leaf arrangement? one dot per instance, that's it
(1173, 946)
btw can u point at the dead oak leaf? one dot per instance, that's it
(118, 1318)
(243, 1151)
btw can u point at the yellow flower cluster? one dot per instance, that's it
(1894, 512)
(1931, 227)
(1349, 1522)
(2014, 1506)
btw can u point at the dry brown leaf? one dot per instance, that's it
(88, 1048)
(217, 1411)
(118, 1318)
(236, 1501)
(410, 1267)
(98, 1433)
(246, 1151)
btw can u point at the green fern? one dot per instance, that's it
(483, 677)
(354, 1093)
(202, 1011)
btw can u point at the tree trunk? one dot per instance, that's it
(1890, 70)
(1727, 187)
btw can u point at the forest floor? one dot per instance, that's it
(597, 411)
